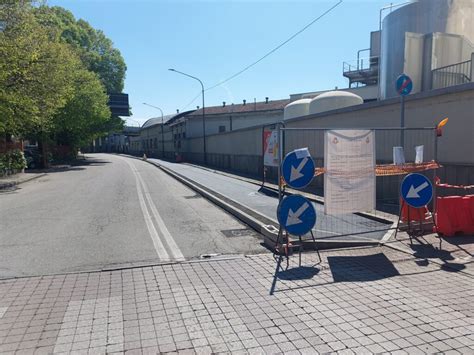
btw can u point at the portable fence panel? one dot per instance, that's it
(387, 187)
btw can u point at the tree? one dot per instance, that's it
(85, 115)
(54, 76)
(35, 73)
(94, 48)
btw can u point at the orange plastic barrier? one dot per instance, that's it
(412, 213)
(455, 215)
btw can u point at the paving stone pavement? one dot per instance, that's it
(364, 300)
(451, 252)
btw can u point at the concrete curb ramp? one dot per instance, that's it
(254, 219)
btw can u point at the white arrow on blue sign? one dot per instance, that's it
(416, 190)
(296, 214)
(404, 85)
(298, 168)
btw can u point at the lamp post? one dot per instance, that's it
(162, 128)
(203, 110)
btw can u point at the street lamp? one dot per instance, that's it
(203, 110)
(162, 128)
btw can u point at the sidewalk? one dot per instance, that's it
(364, 300)
(10, 182)
(251, 198)
(452, 253)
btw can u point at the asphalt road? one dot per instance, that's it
(347, 226)
(110, 212)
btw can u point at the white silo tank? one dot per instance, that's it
(333, 100)
(296, 108)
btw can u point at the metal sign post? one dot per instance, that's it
(279, 159)
(404, 86)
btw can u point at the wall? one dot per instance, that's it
(239, 120)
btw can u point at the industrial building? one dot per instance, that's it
(430, 40)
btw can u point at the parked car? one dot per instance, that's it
(33, 158)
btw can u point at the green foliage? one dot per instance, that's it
(54, 75)
(35, 73)
(94, 48)
(13, 160)
(82, 118)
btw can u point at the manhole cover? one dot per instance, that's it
(232, 233)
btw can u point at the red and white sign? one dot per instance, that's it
(270, 148)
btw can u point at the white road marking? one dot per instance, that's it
(161, 229)
(173, 247)
(3, 310)
(159, 247)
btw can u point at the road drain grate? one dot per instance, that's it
(243, 232)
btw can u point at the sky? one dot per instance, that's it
(214, 39)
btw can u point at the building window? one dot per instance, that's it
(221, 129)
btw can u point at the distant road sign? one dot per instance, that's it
(416, 190)
(298, 168)
(404, 85)
(296, 214)
(118, 104)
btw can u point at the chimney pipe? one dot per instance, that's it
(197, 107)
(177, 110)
(245, 101)
(266, 100)
(223, 103)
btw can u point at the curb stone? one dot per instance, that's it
(12, 184)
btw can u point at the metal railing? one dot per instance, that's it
(360, 64)
(450, 75)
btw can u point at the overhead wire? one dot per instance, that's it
(268, 53)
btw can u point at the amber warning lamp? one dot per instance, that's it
(439, 127)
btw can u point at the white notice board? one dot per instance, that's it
(349, 178)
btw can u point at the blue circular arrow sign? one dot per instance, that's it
(404, 85)
(298, 168)
(416, 190)
(296, 214)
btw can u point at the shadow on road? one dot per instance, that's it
(76, 165)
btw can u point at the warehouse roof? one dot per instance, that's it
(166, 119)
(240, 108)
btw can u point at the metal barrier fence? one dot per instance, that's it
(370, 224)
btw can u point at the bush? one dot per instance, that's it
(12, 161)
